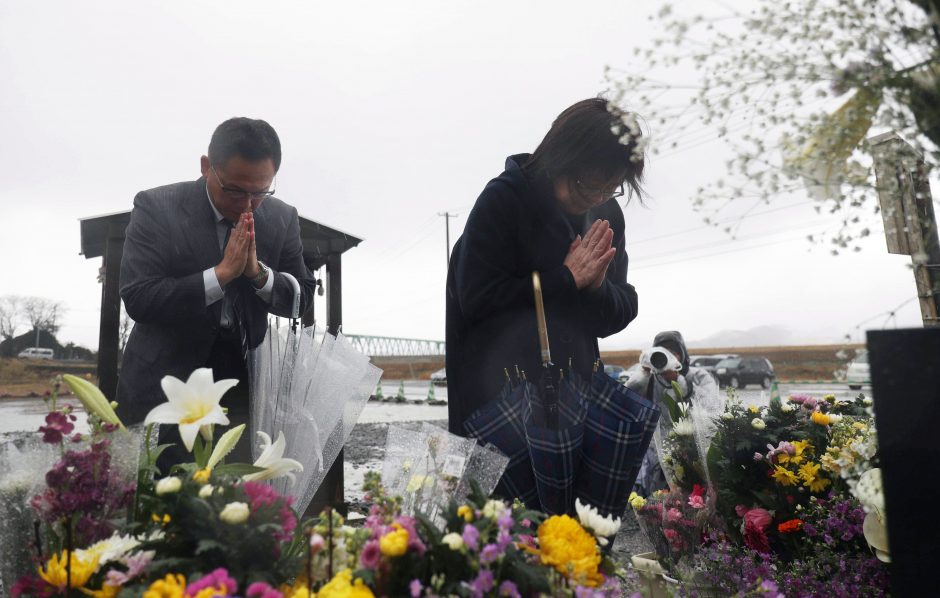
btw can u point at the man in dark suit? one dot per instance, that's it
(204, 263)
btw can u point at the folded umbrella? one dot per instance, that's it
(618, 428)
(539, 427)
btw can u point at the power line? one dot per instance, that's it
(718, 222)
(701, 257)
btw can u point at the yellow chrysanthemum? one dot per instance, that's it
(298, 589)
(202, 476)
(82, 568)
(394, 543)
(171, 586)
(753, 409)
(636, 501)
(466, 512)
(570, 549)
(820, 418)
(214, 592)
(818, 485)
(809, 471)
(343, 586)
(106, 591)
(784, 476)
(800, 447)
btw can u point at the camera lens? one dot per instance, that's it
(658, 360)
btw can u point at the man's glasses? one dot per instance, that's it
(237, 194)
(590, 192)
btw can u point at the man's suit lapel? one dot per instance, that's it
(199, 228)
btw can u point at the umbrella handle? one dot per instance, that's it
(540, 317)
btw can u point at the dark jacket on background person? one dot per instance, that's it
(515, 227)
(170, 240)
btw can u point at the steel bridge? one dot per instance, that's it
(387, 346)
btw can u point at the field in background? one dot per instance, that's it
(20, 377)
(809, 362)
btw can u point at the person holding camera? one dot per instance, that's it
(695, 385)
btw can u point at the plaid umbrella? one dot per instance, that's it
(555, 449)
(540, 428)
(502, 423)
(617, 432)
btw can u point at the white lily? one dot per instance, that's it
(602, 526)
(273, 461)
(191, 405)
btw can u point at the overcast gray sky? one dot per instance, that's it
(388, 113)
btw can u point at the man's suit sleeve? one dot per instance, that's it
(150, 293)
(291, 261)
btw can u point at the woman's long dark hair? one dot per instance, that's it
(583, 139)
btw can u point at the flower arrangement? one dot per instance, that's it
(798, 501)
(212, 528)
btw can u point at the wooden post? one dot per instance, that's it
(109, 326)
(331, 491)
(908, 215)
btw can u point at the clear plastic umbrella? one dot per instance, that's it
(312, 386)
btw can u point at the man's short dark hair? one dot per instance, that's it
(248, 138)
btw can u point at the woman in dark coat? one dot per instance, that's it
(554, 211)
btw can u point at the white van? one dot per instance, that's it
(36, 353)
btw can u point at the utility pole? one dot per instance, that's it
(908, 214)
(447, 216)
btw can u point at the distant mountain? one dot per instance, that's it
(761, 336)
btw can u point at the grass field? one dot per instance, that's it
(20, 378)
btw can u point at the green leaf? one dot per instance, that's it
(529, 579)
(237, 469)
(671, 406)
(208, 544)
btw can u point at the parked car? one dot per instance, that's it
(614, 371)
(439, 378)
(709, 362)
(858, 372)
(738, 372)
(622, 374)
(35, 353)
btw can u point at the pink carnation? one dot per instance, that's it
(757, 518)
(371, 555)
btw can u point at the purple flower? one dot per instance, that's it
(371, 554)
(57, 426)
(415, 587)
(259, 589)
(505, 522)
(489, 554)
(503, 540)
(482, 584)
(471, 537)
(509, 589)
